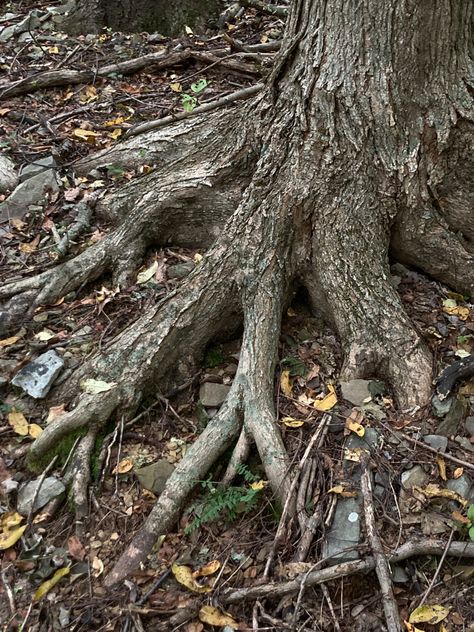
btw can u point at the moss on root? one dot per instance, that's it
(37, 463)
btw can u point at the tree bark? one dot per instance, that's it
(167, 18)
(359, 145)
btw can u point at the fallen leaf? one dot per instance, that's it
(123, 467)
(184, 576)
(458, 472)
(34, 430)
(10, 537)
(257, 485)
(72, 194)
(340, 490)
(50, 583)
(328, 402)
(98, 566)
(31, 246)
(147, 274)
(176, 87)
(10, 519)
(6, 342)
(214, 616)
(198, 258)
(53, 50)
(75, 548)
(45, 335)
(429, 614)
(354, 454)
(456, 515)
(451, 307)
(285, 384)
(441, 467)
(55, 412)
(86, 135)
(18, 422)
(207, 569)
(93, 387)
(292, 423)
(353, 423)
(435, 491)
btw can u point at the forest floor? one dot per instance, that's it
(226, 537)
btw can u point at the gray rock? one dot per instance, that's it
(30, 23)
(51, 488)
(8, 176)
(37, 377)
(398, 575)
(470, 425)
(213, 395)
(180, 270)
(154, 476)
(34, 168)
(343, 537)
(441, 407)
(462, 486)
(436, 441)
(29, 192)
(465, 443)
(450, 424)
(355, 391)
(415, 476)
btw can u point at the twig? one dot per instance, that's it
(38, 487)
(207, 107)
(438, 570)
(392, 616)
(263, 7)
(9, 591)
(327, 596)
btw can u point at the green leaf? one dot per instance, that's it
(199, 86)
(188, 102)
(471, 533)
(470, 513)
(295, 366)
(93, 387)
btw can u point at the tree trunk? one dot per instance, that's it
(129, 16)
(360, 144)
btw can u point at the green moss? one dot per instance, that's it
(37, 464)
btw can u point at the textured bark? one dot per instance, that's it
(91, 16)
(360, 142)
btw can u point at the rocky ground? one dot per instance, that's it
(405, 476)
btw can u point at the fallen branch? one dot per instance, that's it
(410, 549)
(155, 61)
(207, 107)
(392, 616)
(263, 7)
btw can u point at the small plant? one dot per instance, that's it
(189, 101)
(470, 517)
(228, 501)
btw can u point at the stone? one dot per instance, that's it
(154, 476)
(436, 441)
(36, 167)
(30, 23)
(343, 537)
(450, 424)
(51, 488)
(212, 395)
(37, 377)
(8, 176)
(441, 407)
(464, 443)
(399, 576)
(29, 192)
(355, 391)
(180, 270)
(415, 476)
(469, 423)
(462, 486)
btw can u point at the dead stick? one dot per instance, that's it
(392, 616)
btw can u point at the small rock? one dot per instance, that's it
(37, 377)
(450, 424)
(180, 270)
(29, 192)
(465, 443)
(51, 488)
(436, 441)
(355, 391)
(213, 395)
(343, 537)
(30, 23)
(8, 177)
(470, 425)
(441, 407)
(415, 476)
(399, 576)
(34, 168)
(154, 476)
(462, 486)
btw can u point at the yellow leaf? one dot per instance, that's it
(354, 455)
(197, 257)
(86, 135)
(53, 50)
(6, 342)
(184, 575)
(458, 472)
(353, 423)
(45, 335)
(10, 519)
(34, 430)
(116, 133)
(123, 467)
(10, 537)
(456, 515)
(292, 423)
(450, 307)
(147, 274)
(93, 387)
(50, 583)
(213, 616)
(285, 383)
(18, 422)
(176, 87)
(441, 467)
(342, 491)
(258, 484)
(116, 121)
(208, 569)
(328, 402)
(435, 491)
(98, 566)
(429, 614)
(31, 246)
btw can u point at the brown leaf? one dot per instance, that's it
(75, 548)
(31, 246)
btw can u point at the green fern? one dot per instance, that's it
(227, 501)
